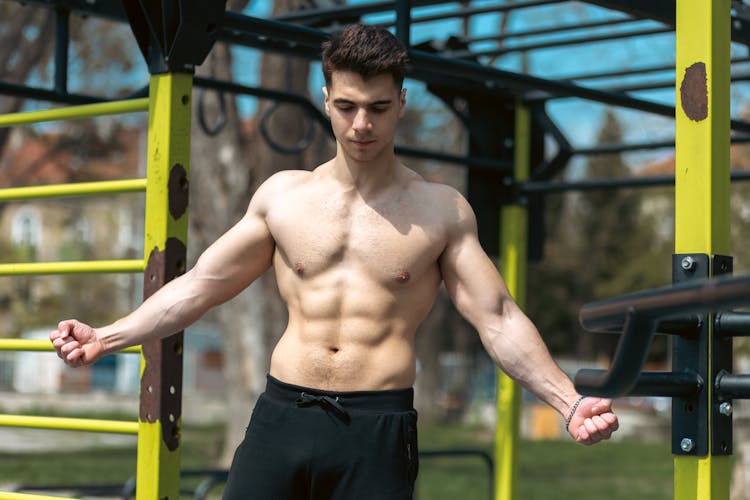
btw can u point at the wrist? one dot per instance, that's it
(572, 410)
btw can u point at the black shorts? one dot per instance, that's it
(309, 444)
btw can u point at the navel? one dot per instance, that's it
(402, 277)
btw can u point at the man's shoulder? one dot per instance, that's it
(446, 201)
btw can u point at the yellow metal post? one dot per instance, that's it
(513, 242)
(702, 183)
(165, 239)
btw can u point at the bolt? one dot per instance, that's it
(688, 263)
(725, 409)
(687, 445)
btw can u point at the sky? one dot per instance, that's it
(580, 120)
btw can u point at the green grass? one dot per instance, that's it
(549, 470)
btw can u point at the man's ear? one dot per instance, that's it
(402, 103)
(326, 100)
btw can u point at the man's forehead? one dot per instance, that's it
(350, 85)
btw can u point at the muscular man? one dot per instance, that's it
(360, 246)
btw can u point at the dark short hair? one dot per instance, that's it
(366, 50)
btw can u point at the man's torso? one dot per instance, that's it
(358, 276)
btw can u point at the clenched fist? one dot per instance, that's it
(76, 343)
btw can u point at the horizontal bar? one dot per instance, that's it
(732, 324)
(41, 94)
(75, 112)
(550, 30)
(733, 386)
(604, 184)
(94, 266)
(73, 189)
(12, 495)
(69, 424)
(41, 345)
(557, 43)
(671, 384)
(692, 297)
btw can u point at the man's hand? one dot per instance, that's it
(593, 421)
(76, 343)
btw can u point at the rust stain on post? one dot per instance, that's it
(694, 92)
(161, 383)
(178, 190)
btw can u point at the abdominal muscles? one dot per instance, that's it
(346, 337)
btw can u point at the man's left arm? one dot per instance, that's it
(510, 338)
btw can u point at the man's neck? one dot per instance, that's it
(366, 177)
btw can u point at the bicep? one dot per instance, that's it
(236, 259)
(471, 278)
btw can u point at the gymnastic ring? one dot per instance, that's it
(221, 118)
(301, 145)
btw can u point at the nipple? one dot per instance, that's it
(403, 277)
(299, 268)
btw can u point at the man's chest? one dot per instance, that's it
(398, 243)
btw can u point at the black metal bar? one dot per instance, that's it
(551, 30)
(631, 353)
(732, 324)
(620, 148)
(47, 95)
(426, 65)
(555, 43)
(632, 72)
(468, 12)
(321, 16)
(403, 22)
(733, 386)
(604, 184)
(62, 43)
(264, 93)
(684, 298)
(664, 11)
(476, 162)
(664, 84)
(672, 384)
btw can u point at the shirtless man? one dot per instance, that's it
(360, 246)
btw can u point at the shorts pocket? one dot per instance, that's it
(411, 444)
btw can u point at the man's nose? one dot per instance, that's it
(361, 120)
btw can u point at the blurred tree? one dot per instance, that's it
(600, 244)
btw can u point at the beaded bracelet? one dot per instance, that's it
(573, 410)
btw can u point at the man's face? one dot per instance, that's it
(364, 113)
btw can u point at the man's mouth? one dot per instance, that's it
(362, 142)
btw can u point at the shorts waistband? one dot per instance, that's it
(386, 400)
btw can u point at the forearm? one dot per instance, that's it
(516, 347)
(172, 308)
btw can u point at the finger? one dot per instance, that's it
(600, 423)
(590, 426)
(601, 406)
(64, 328)
(583, 434)
(69, 347)
(76, 355)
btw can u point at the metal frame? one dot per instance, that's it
(451, 70)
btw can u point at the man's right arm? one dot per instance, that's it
(228, 266)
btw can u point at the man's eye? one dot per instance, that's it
(379, 110)
(345, 108)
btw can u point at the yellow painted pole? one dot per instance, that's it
(513, 258)
(39, 345)
(74, 189)
(10, 495)
(702, 183)
(73, 267)
(69, 424)
(158, 469)
(75, 112)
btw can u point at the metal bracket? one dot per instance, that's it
(690, 414)
(721, 362)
